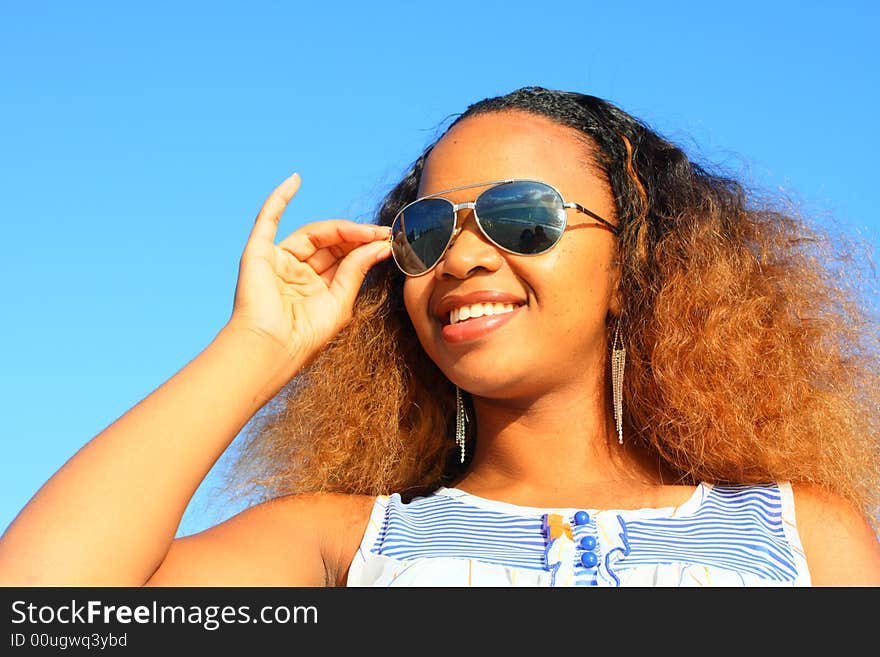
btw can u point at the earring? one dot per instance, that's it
(460, 421)
(618, 362)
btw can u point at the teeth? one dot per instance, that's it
(478, 310)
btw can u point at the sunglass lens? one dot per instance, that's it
(523, 217)
(421, 233)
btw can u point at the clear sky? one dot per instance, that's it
(138, 141)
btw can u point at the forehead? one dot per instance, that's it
(502, 145)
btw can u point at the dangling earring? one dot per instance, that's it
(618, 362)
(460, 421)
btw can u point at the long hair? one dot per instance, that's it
(751, 355)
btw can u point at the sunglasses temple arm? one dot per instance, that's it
(614, 229)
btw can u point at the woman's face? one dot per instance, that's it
(555, 336)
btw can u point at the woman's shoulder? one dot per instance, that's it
(305, 539)
(336, 521)
(840, 544)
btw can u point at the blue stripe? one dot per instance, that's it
(736, 528)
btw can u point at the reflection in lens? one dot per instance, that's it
(421, 233)
(523, 217)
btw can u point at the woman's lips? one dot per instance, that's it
(474, 329)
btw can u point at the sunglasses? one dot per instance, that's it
(523, 217)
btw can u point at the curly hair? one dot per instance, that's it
(751, 353)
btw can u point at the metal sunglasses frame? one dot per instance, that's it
(471, 205)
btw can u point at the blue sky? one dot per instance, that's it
(138, 141)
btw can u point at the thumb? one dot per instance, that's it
(353, 268)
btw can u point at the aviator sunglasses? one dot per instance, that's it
(523, 217)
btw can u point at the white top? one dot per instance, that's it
(721, 536)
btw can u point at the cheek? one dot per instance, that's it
(415, 297)
(572, 284)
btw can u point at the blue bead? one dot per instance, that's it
(588, 543)
(589, 559)
(581, 518)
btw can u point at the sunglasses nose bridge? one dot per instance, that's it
(457, 261)
(469, 205)
(458, 225)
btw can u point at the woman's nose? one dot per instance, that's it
(469, 251)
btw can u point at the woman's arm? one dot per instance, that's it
(841, 547)
(297, 540)
(110, 514)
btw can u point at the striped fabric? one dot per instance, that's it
(721, 536)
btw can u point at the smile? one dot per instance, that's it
(477, 310)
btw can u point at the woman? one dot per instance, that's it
(667, 388)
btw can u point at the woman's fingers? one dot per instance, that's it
(351, 270)
(326, 260)
(322, 245)
(336, 236)
(266, 224)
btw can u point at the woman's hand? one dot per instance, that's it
(300, 293)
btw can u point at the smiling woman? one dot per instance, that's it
(590, 361)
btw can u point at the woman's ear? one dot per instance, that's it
(615, 302)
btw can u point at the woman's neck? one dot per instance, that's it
(560, 446)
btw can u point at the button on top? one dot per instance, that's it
(581, 518)
(588, 543)
(589, 559)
